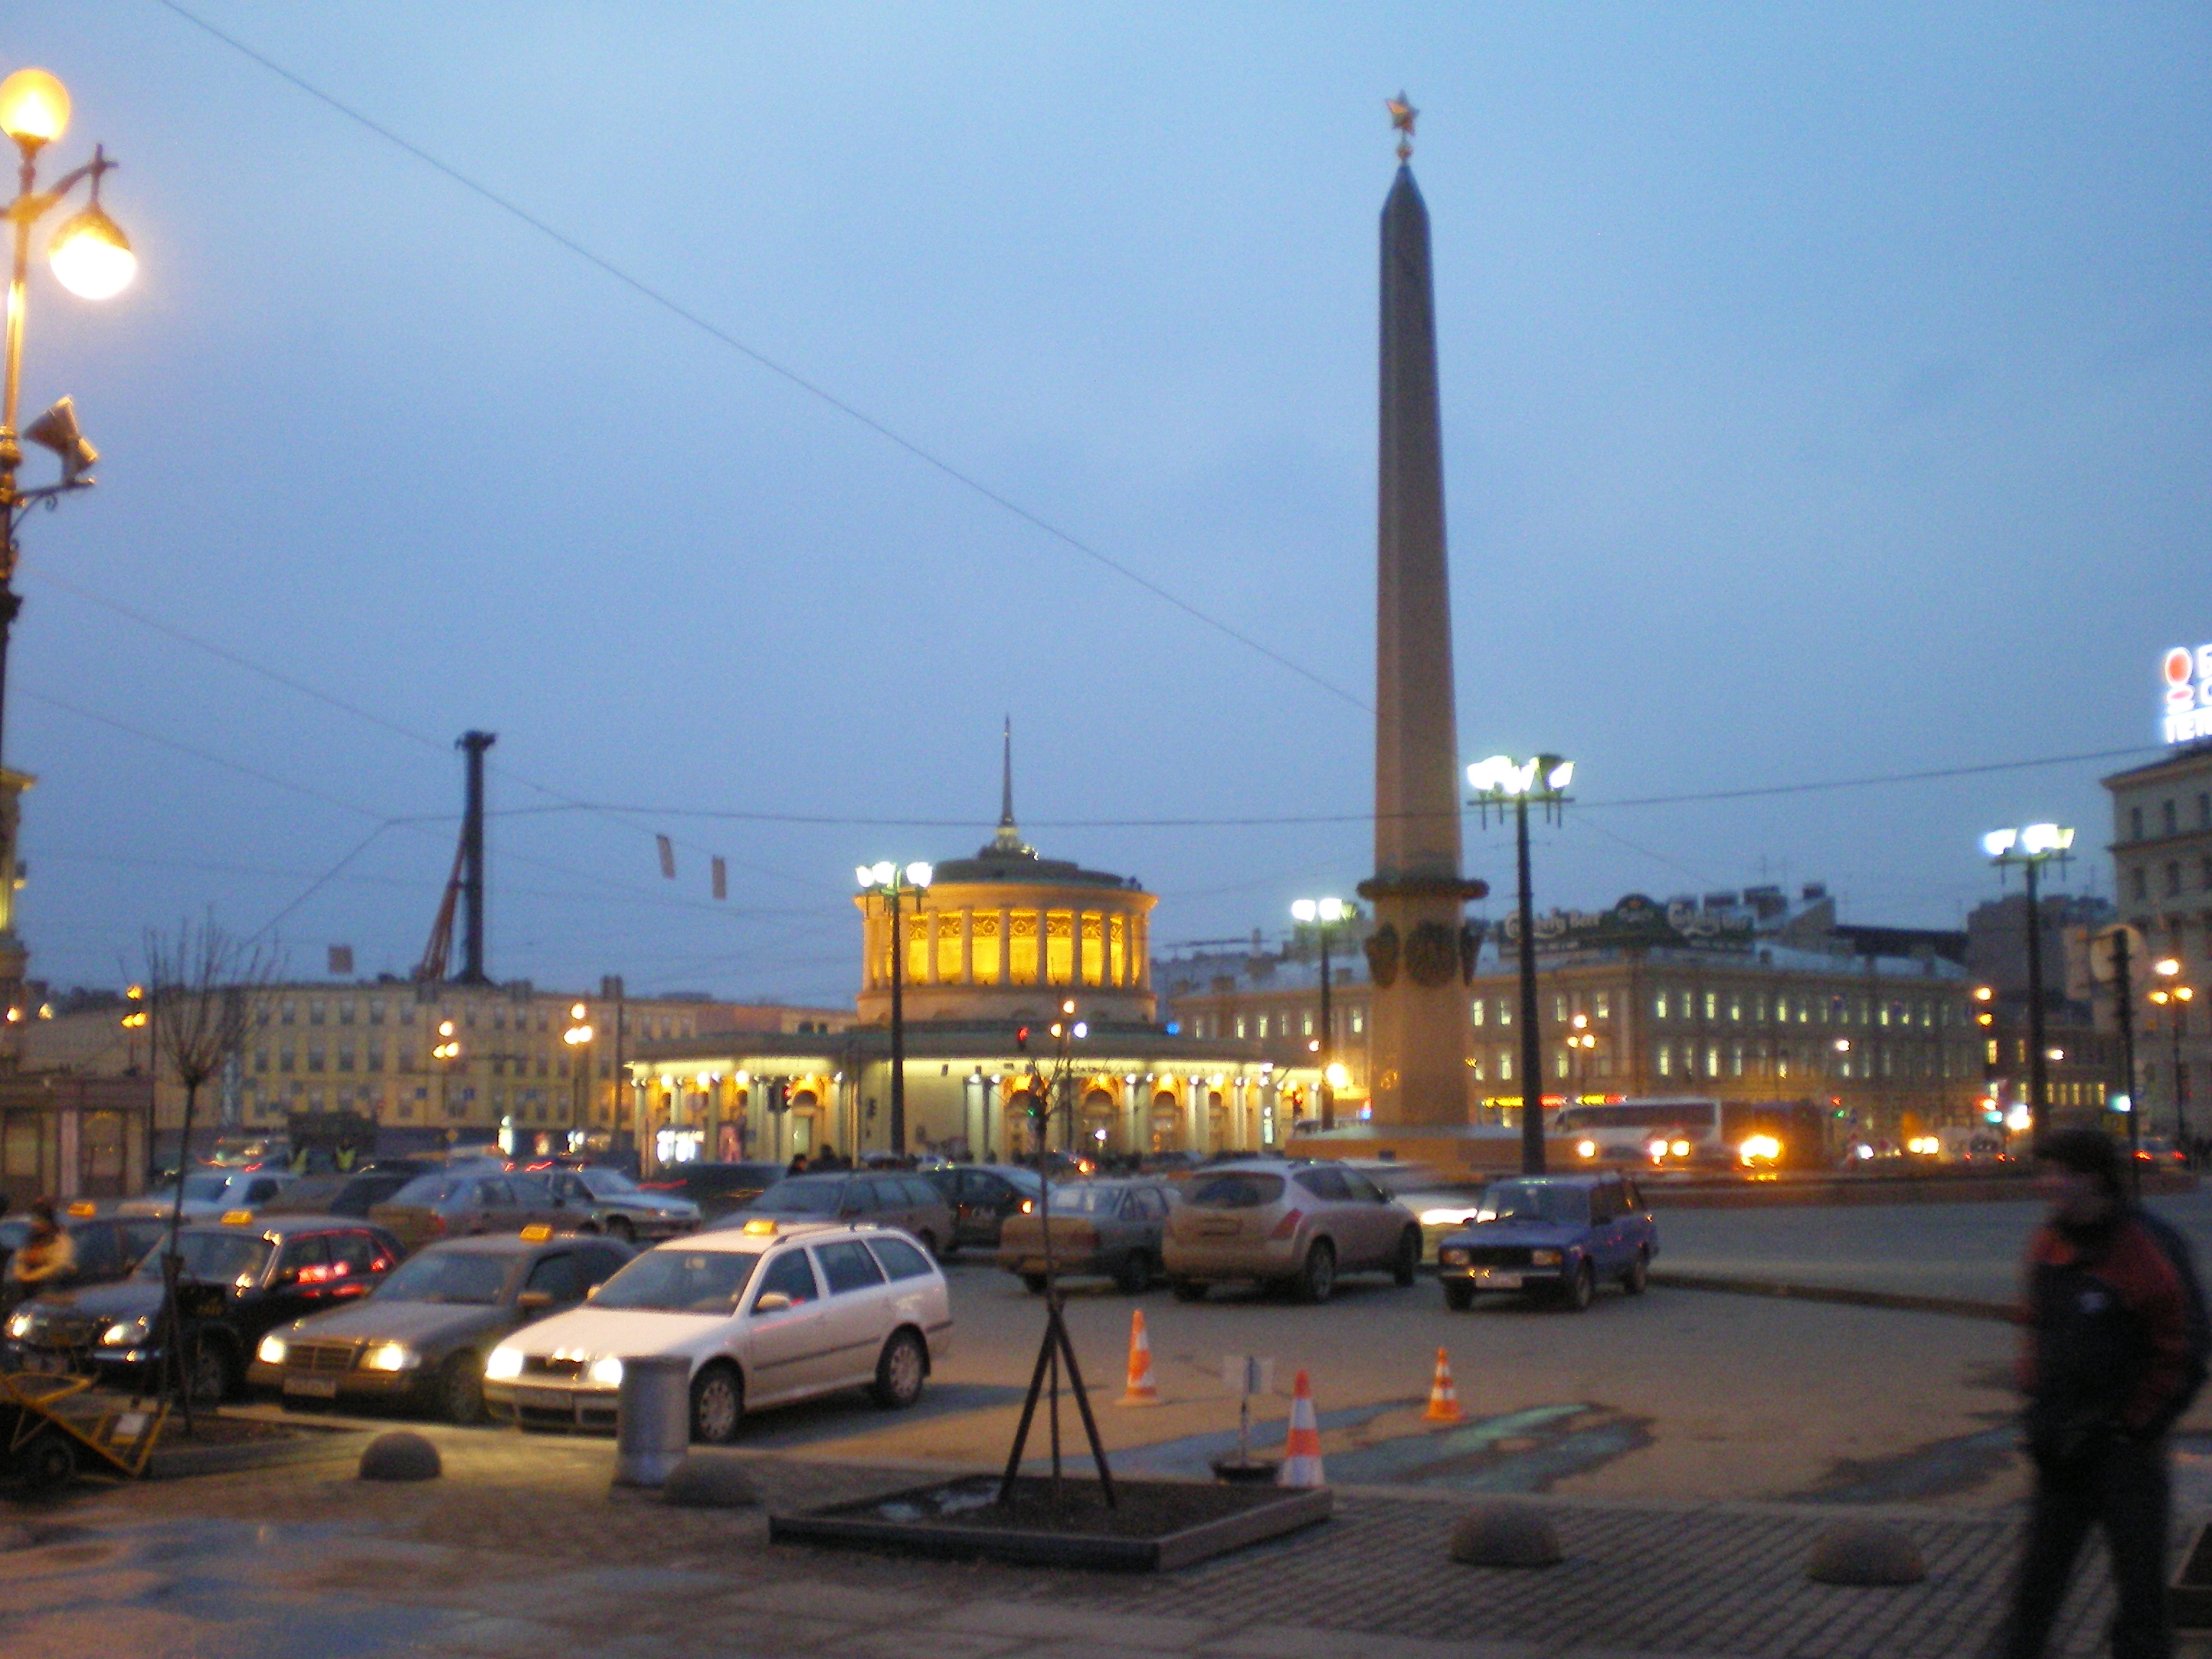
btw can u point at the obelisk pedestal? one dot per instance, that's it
(1419, 1075)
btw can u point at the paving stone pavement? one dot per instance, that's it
(522, 1548)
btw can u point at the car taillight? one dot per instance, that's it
(437, 1223)
(1289, 1224)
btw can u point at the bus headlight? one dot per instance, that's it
(1680, 1149)
(504, 1364)
(1658, 1150)
(1586, 1149)
(1757, 1149)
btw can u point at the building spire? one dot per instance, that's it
(1402, 116)
(1008, 842)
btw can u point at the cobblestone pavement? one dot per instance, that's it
(523, 1547)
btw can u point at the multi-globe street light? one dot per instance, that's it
(2032, 847)
(887, 881)
(1323, 917)
(579, 1037)
(445, 1050)
(1502, 781)
(2173, 998)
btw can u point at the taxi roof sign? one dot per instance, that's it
(83, 1206)
(236, 1218)
(537, 1232)
(760, 1225)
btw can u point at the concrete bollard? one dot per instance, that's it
(1865, 1553)
(400, 1456)
(1505, 1535)
(652, 1425)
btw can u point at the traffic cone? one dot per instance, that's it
(1142, 1390)
(1443, 1398)
(1302, 1447)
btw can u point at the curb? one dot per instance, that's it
(1954, 1307)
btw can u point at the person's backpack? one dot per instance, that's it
(2197, 1362)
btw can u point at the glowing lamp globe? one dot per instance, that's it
(91, 257)
(34, 107)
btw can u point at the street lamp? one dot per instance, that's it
(887, 881)
(1501, 781)
(445, 1050)
(1323, 917)
(578, 1037)
(2173, 998)
(2032, 847)
(1581, 1040)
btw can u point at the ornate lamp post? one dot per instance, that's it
(1502, 781)
(445, 1050)
(1581, 1040)
(2173, 998)
(887, 881)
(92, 259)
(1323, 918)
(2032, 847)
(578, 1036)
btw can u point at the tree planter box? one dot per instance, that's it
(1158, 1525)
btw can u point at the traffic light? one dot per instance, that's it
(1022, 1038)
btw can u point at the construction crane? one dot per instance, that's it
(465, 887)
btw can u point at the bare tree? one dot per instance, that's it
(202, 985)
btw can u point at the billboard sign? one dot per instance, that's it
(2185, 714)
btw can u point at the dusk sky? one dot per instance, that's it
(1825, 398)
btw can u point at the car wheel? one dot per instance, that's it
(1191, 1290)
(47, 1463)
(1639, 1275)
(620, 1229)
(1036, 1283)
(461, 1389)
(208, 1377)
(1318, 1275)
(1406, 1264)
(1459, 1295)
(901, 1371)
(1581, 1288)
(718, 1404)
(1135, 1276)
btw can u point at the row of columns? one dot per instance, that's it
(1132, 972)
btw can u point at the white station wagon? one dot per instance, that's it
(771, 1312)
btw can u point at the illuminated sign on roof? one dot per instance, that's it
(2186, 713)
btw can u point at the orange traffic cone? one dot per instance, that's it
(1142, 1390)
(1443, 1398)
(1301, 1448)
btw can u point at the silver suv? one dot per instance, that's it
(1294, 1225)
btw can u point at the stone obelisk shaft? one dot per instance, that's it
(1419, 1049)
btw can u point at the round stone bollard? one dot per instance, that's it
(400, 1456)
(1864, 1552)
(1505, 1535)
(704, 1480)
(652, 1422)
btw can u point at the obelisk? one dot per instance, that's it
(1419, 1045)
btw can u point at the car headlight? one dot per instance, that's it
(1586, 1149)
(1543, 1258)
(607, 1371)
(1444, 1217)
(1452, 1258)
(504, 1362)
(390, 1356)
(21, 1324)
(271, 1350)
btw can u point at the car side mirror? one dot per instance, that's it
(771, 1301)
(533, 1302)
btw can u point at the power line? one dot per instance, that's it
(676, 308)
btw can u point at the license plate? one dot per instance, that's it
(1499, 1278)
(544, 1400)
(315, 1388)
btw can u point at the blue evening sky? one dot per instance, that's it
(1825, 396)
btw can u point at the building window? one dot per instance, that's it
(1736, 1006)
(1659, 1006)
(1735, 1061)
(1559, 1061)
(1505, 1066)
(1240, 1026)
(2136, 883)
(2204, 811)
(1307, 1021)
(2166, 812)
(345, 1059)
(1474, 1008)
(2134, 823)
(1358, 1021)
(1712, 1005)
(1603, 1005)
(1666, 1060)
(2173, 876)
(1558, 1010)
(1505, 1012)
(1712, 1059)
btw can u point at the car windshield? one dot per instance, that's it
(427, 1190)
(1026, 1182)
(681, 1281)
(206, 1187)
(800, 1197)
(606, 1183)
(1244, 1189)
(448, 1276)
(214, 1258)
(1086, 1198)
(1532, 1200)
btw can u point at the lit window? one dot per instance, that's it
(1474, 1008)
(1666, 1060)
(1358, 1021)
(1712, 1005)
(1604, 1007)
(1659, 1006)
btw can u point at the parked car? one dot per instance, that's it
(210, 1193)
(716, 1188)
(443, 1205)
(338, 1194)
(885, 1197)
(1112, 1228)
(1557, 1235)
(765, 1313)
(420, 1338)
(982, 1196)
(603, 1200)
(1441, 1201)
(1300, 1225)
(107, 1247)
(238, 1279)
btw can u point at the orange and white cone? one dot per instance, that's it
(1142, 1390)
(1301, 1448)
(1443, 1398)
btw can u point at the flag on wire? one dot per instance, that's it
(667, 857)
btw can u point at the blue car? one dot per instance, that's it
(1560, 1236)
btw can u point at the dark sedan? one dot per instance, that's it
(603, 1200)
(421, 1338)
(982, 1196)
(1108, 1227)
(1558, 1234)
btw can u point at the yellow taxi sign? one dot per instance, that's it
(236, 1218)
(762, 1225)
(83, 1206)
(537, 1232)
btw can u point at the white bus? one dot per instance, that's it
(1680, 1133)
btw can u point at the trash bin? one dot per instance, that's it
(652, 1428)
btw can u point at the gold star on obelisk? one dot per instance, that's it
(1402, 116)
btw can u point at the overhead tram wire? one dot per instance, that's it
(714, 330)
